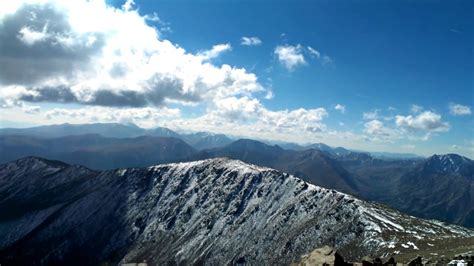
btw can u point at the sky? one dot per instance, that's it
(384, 75)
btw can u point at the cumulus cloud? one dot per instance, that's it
(106, 64)
(89, 53)
(426, 122)
(421, 126)
(459, 109)
(290, 56)
(145, 117)
(250, 41)
(377, 131)
(341, 108)
(245, 116)
(246, 110)
(128, 5)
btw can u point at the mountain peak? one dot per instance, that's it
(35, 160)
(451, 157)
(450, 163)
(250, 143)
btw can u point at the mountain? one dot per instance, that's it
(395, 155)
(96, 151)
(312, 165)
(329, 149)
(216, 212)
(247, 150)
(205, 140)
(112, 130)
(161, 132)
(199, 140)
(440, 187)
(52, 131)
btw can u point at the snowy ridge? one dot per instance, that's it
(288, 200)
(217, 211)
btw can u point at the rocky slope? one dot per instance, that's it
(441, 187)
(216, 211)
(314, 166)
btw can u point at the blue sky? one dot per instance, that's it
(386, 53)
(407, 65)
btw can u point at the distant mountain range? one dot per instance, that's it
(199, 140)
(213, 212)
(441, 186)
(96, 151)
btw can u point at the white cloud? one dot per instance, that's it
(340, 108)
(245, 116)
(413, 127)
(111, 60)
(127, 6)
(415, 108)
(145, 117)
(426, 123)
(290, 56)
(215, 51)
(30, 37)
(31, 109)
(314, 52)
(115, 67)
(458, 109)
(95, 54)
(250, 41)
(377, 131)
(371, 115)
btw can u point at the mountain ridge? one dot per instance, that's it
(213, 211)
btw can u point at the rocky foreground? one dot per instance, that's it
(329, 256)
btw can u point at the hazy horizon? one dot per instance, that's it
(237, 137)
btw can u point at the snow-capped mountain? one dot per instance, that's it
(452, 164)
(440, 187)
(215, 211)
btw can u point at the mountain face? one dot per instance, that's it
(205, 140)
(200, 140)
(216, 211)
(439, 187)
(312, 165)
(96, 151)
(442, 187)
(114, 130)
(111, 130)
(323, 147)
